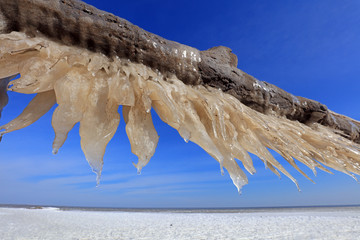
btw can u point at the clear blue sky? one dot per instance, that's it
(309, 48)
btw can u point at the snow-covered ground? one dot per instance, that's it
(52, 223)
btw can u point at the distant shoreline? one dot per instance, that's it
(184, 210)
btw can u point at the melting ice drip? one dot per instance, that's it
(88, 88)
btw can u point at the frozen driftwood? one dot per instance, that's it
(90, 62)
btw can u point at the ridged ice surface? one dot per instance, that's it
(89, 87)
(251, 224)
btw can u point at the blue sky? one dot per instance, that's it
(309, 48)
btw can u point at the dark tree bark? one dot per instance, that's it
(75, 23)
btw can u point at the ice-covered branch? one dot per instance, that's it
(90, 62)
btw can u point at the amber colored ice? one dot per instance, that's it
(89, 87)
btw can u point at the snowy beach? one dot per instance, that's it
(286, 223)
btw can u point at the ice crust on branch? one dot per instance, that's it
(89, 87)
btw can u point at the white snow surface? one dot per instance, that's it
(52, 223)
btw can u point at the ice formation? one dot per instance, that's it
(89, 87)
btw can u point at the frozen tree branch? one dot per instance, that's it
(91, 62)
